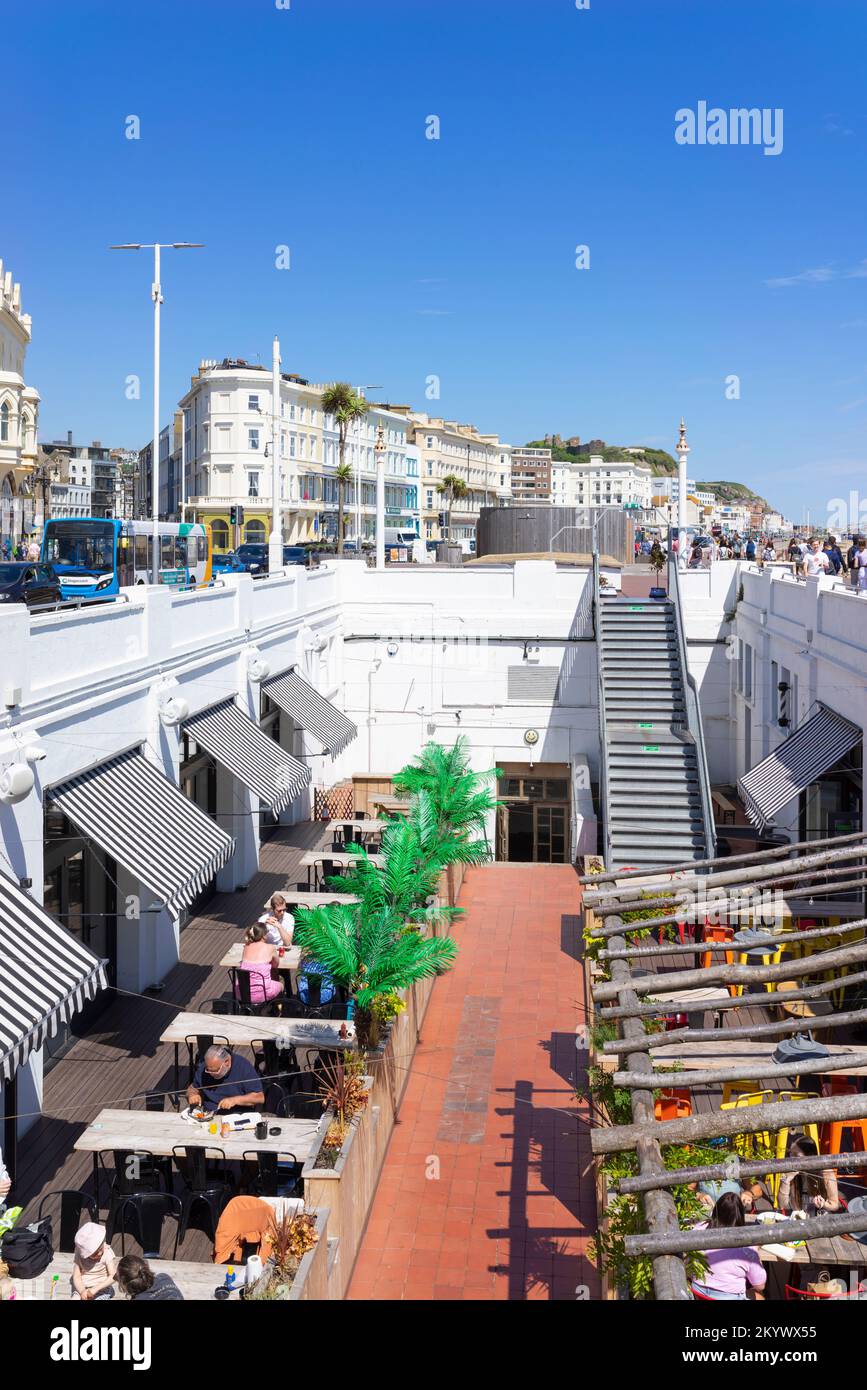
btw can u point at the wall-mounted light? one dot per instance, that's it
(257, 668)
(16, 782)
(173, 709)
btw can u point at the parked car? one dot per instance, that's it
(253, 556)
(295, 555)
(29, 582)
(228, 563)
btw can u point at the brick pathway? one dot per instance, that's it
(482, 1194)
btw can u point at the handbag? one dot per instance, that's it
(825, 1286)
(28, 1250)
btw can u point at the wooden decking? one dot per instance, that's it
(122, 1056)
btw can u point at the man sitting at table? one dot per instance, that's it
(222, 1081)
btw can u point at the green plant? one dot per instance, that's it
(290, 1238)
(453, 489)
(345, 404)
(344, 1092)
(461, 799)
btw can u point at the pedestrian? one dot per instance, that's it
(850, 562)
(816, 559)
(33, 550)
(750, 551)
(769, 554)
(859, 565)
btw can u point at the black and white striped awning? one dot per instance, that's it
(805, 755)
(250, 755)
(312, 711)
(46, 976)
(146, 823)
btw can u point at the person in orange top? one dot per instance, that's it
(245, 1220)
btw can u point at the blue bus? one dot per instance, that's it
(96, 557)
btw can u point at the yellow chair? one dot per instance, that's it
(745, 1143)
(738, 1088)
(768, 958)
(811, 1130)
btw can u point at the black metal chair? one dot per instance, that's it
(277, 1099)
(205, 1186)
(224, 1005)
(270, 1174)
(72, 1204)
(361, 815)
(135, 1170)
(244, 1002)
(273, 1062)
(150, 1211)
(305, 1097)
(197, 1046)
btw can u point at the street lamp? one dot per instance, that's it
(379, 454)
(157, 297)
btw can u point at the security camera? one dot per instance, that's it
(35, 753)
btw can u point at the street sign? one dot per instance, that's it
(632, 506)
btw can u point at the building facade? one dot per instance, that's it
(532, 475)
(224, 448)
(87, 466)
(481, 461)
(19, 414)
(601, 482)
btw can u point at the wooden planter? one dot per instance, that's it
(311, 1280)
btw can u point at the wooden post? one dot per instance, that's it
(758, 1071)
(736, 974)
(728, 1238)
(777, 1029)
(736, 1168)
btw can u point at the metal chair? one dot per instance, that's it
(244, 1001)
(197, 1046)
(72, 1203)
(150, 1210)
(135, 1170)
(273, 1175)
(277, 1099)
(271, 1061)
(204, 1185)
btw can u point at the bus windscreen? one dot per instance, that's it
(86, 545)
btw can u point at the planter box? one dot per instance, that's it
(311, 1281)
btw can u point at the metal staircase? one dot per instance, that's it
(655, 789)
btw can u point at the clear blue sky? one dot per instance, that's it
(410, 257)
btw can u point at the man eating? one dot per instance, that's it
(222, 1081)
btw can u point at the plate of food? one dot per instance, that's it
(198, 1113)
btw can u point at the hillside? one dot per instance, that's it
(734, 492)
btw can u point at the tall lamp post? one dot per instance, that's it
(681, 449)
(360, 391)
(157, 297)
(275, 540)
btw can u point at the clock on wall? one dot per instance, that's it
(531, 737)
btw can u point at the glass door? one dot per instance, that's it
(549, 834)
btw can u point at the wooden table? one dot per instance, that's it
(196, 1281)
(301, 898)
(160, 1132)
(290, 960)
(366, 825)
(244, 1029)
(392, 804)
(339, 858)
(692, 1002)
(833, 1250)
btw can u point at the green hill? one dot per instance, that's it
(733, 492)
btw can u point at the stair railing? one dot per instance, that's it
(600, 702)
(693, 708)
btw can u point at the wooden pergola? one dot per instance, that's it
(726, 891)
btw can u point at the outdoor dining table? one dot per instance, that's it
(196, 1281)
(830, 1250)
(159, 1132)
(394, 805)
(339, 858)
(242, 1030)
(290, 961)
(307, 898)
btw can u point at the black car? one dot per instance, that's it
(254, 557)
(28, 581)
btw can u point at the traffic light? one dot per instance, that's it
(442, 520)
(236, 516)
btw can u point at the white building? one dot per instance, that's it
(481, 461)
(227, 428)
(19, 413)
(600, 482)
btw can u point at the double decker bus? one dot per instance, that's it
(96, 557)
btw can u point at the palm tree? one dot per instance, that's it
(366, 949)
(453, 489)
(462, 799)
(343, 402)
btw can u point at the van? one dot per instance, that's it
(395, 536)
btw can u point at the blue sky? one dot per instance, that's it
(455, 257)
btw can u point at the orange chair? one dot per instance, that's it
(857, 1129)
(718, 933)
(672, 1105)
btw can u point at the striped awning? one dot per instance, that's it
(46, 976)
(146, 823)
(312, 711)
(250, 755)
(805, 755)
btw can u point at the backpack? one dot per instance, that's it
(28, 1250)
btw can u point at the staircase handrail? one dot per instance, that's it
(693, 708)
(600, 704)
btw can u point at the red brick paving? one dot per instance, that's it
(486, 1191)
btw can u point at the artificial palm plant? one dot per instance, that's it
(345, 404)
(365, 948)
(462, 799)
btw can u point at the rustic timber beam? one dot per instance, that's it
(690, 865)
(736, 974)
(759, 1233)
(669, 1275)
(696, 948)
(628, 899)
(758, 1071)
(749, 1119)
(776, 1029)
(736, 1168)
(692, 907)
(740, 1001)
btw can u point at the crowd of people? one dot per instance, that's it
(807, 555)
(20, 550)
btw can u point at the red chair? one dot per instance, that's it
(672, 1105)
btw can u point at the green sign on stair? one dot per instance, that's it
(650, 748)
(645, 726)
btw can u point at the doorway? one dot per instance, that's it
(533, 818)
